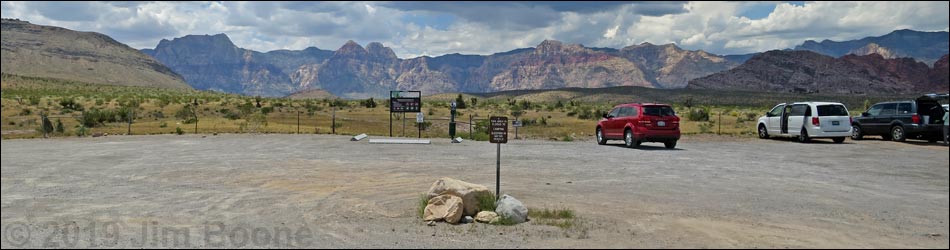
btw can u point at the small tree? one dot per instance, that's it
(474, 102)
(59, 126)
(47, 126)
(460, 102)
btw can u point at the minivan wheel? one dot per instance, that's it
(856, 133)
(803, 137)
(763, 132)
(838, 140)
(600, 137)
(897, 134)
(670, 144)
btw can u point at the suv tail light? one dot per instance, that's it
(915, 119)
(814, 121)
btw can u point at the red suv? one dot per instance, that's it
(635, 123)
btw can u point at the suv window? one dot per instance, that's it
(798, 110)
(904, 108)
(658, 111)
(889, 109)
(777, 111)
(832, 110)
(627, 112)
(876, 110)
(614, 113)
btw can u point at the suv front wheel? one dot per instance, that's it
(763, 132)
(898, 134)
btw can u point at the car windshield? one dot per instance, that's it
(832, 110)
(658, 111)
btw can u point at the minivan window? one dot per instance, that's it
(658, 111)
(889, 109)
(904, 108)
(832, 110)
(777, 111)
(798, 110)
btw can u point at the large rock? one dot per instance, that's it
(444, 207)
(467, 191)
(486, 217)
(511, 208)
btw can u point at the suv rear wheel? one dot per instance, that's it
(670, 144)
(628, 139)
(838, 140)
(856, 133)
(897, 134)
(600, 137)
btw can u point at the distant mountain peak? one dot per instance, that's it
(377, 49)
(351, 48)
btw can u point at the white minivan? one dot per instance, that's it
(806, 120)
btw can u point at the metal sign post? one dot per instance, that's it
(419, 122)
(403, 102)
(499, 134)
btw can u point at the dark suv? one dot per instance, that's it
(898, 121)
(635, 123)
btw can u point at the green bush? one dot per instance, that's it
(699, 115)
(178, 131)
(59, 126)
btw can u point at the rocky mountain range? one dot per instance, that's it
(810, 72)
(47, 51)
(352, 71)
(872, 65)
(927, 47)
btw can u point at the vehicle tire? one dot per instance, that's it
(898, 134)
(628, 139)
(670, 144)
(600, 137)
(803, 137)
(838, 140)
(763, 132)
(856, 133)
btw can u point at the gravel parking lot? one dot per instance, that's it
(326, 191)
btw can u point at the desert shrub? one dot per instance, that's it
(26, 112)
(59, 126)
(699, 114)
(70, 104)
(178, 131)
(267, 110)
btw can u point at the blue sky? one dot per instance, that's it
(436, 28)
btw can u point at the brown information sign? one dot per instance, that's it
(498, 129)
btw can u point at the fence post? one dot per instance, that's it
(131, 114)
(298, 121)
(471, 133)
(720, 124)
(333, 125)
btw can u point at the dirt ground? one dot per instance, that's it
(328, 192)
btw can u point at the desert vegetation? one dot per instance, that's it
(79, 109)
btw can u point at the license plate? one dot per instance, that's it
(661, 124)
(835, 123)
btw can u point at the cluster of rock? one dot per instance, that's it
(455, 201)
